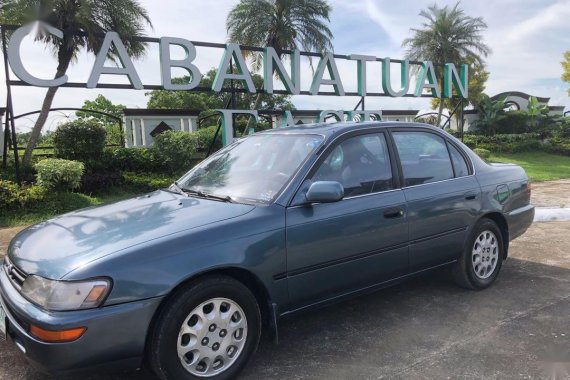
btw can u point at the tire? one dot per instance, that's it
(210, 311)
(482, 257)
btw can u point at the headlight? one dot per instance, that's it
(65, 295)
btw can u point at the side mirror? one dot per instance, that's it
(325, 192)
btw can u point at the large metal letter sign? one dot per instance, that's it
(166, 63)
(128, 69)
(15, 58)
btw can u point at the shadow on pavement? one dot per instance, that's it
(424, 328)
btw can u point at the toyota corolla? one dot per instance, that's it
(186, 279)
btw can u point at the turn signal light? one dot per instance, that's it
(62, 336)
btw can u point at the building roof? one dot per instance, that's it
(520, 94)
(159, 112)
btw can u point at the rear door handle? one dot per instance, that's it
(470, 196)
(393, 213)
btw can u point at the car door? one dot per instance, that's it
(442, 193)
(336, 248)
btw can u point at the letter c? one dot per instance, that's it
(16, 60)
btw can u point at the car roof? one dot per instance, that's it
(331, 129)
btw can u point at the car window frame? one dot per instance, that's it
(339, 139)
(447, 141)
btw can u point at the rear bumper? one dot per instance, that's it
(115, 336)
(519, 221)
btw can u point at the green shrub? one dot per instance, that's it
(146, 182)
(14, 196)
(80, 140)
(58, 174)
(513, 122)
(94, 182)
(134, 160)
(483, 153)
(205, 137)
(176, 150)
(504, 143)
(558, 145)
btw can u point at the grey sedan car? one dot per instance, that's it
(186, 279)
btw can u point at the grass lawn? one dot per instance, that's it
(539, 166)
(59, 203)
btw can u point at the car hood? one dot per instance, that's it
(54, 248)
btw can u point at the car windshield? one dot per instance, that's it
(253, 169)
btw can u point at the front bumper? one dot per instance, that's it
(115, 335)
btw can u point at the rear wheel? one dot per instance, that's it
(482, 258)
(209, 329)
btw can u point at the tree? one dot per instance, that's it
(489, 113)
(111, 124)
(207, 101)
(566, 68)
(89, 18)
(280, 24)
(447, 35)
(478, 77)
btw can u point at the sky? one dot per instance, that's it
(527, 37)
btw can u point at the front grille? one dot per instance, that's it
(16, 276)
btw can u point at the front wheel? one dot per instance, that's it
(481, 261)
(209, 329)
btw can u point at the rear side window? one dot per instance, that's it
(361, 164)
(424, 157)
(459, 163)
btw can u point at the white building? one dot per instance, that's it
(142, 125)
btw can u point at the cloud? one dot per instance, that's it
(528, 38)
(551, 17)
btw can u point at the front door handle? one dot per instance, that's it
(393, 213)
(470, 196)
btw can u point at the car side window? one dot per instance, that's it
(459, 163)
(424, 157)
(361, 164)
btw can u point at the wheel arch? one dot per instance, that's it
(246, 277)
(501, 222)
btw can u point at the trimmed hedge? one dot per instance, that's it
(558, 145)
(512, 143)
(80, 140)
(58, 174)
(483, 153)
(147, 182)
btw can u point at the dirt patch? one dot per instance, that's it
(551, 193)
(6, 234)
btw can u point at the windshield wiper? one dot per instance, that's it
(201, 194)
(175, 187)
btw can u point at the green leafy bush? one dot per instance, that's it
(80, 140)
(58, 174)
(134, 160)
(146, 182)
(512, 122)
(176, 150)
(14, 196)
(205, 137)
(483, 153)
(558, 145)
(504, 143)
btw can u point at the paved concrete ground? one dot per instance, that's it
(423, 329)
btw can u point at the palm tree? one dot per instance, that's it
(447, 35)
(280, 24)
(83, 22)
